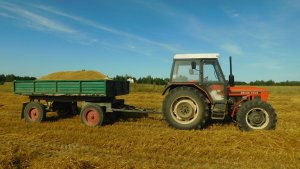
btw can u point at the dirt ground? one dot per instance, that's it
(136, 141)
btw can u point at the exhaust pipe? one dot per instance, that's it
(231, 77)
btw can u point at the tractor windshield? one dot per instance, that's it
(183, 71)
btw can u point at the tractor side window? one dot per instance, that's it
(211, 72)
(183, 71)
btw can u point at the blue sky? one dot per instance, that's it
(140, 38)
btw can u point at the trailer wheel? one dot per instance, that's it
(256, 115)
(34, 112)
(92, 115)
(184, 108)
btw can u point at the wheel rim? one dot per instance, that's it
(257, 118)
(184, 110)
(33, 114)
(91, 117)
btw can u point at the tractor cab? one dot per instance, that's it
(204, 71)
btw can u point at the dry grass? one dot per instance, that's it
(147, 142)
(75, 75)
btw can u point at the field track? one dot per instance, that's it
(137, 141)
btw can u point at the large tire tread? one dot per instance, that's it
(176, 93)
(247, 106)
(97, 111)
(40, 108)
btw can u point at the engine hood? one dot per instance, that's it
(248, 91)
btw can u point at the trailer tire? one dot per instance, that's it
(184, 108)
(256, 115)
(34, 112)
(92, 115)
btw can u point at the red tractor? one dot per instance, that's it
(198, 92)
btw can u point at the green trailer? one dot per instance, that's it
(96, 96)
(92, 88)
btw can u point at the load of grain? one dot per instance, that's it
(75, 75)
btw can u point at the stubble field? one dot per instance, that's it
(136, 141)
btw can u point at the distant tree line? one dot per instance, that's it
(12, 77)
(269, 83)
(163, 81)
(144, 80)
(272, 83)
(158, 81)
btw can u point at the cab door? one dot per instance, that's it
(213, 80)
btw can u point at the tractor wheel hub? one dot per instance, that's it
(185, 109)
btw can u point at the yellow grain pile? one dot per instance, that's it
(75, 75)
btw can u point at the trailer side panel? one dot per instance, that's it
(104, 88)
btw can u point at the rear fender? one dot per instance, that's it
(236, 106)
(173, 86)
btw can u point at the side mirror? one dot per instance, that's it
(194, 65)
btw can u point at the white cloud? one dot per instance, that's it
(267, 63)
(7, 15)
(236, 14)
(232, 49)
(261, 32)
(294, 4)
(105, 28)
(231, 12)
(36, 21)
(161, 7)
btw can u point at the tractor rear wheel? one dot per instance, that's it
(34, 112)
(184, 108)
(256, 115)
(92, 115)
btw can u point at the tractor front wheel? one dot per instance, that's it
(256, 115)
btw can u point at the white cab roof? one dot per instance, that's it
(197, 56)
